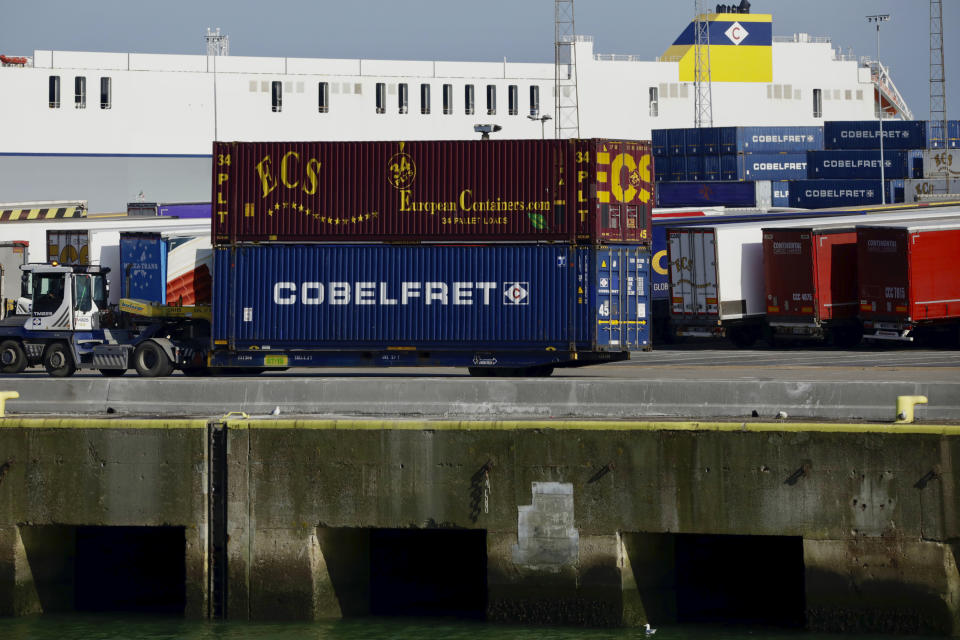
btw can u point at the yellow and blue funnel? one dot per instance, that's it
(741, 48)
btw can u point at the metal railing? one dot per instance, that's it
(803, 37)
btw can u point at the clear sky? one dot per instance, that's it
(520, 30)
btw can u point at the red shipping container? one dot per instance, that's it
(811, 274)
(908, 274)
(588, 191)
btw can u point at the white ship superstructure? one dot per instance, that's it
(114, 127)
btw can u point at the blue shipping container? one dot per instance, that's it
(780, 193)
(185, 210)
(772, 166)
(676, 139)
(710, 140)
(865, 134)
(454, 298)
(821, 194)
(694, 169)
(678, 168)
(711, 167)
(729, 167)
(691, 142)
(694, 194)
(658, 142)
(856, 164)
(935, 137)
(143, 267)
(770, 139)
(661, 168)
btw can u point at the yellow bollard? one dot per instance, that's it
(4, 396)
(905, 406)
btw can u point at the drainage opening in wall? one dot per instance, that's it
(107, 569)
(407, 572)
(748, 580)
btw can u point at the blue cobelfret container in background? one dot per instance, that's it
(857, 164)
(691, 142)
(865, 134)
(678, 168)
(455, 298)
(770, 139)
(695, 194)
(915, 163)
(729, 167)
(661, 168)
(780, 193)
(936, 140)
(185, 209)
(676, 139)
(710, 140)
(658, 143)
(711, 167)
(694, 169)
(822, 194)
(772, 166)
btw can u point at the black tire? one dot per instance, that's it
(58, 361)
(151, 361)
(13, 359)
(539, 371)
(112, 373)
(481, 372)
(846, 337)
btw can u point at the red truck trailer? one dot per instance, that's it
(909, 280)
(811, 281)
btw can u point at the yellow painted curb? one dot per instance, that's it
(100, 423)
(589, 425)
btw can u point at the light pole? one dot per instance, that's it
(882, 17)
(542, 120)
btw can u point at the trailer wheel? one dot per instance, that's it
(58, 361)
(151, 361)
(13, 359)
(112, 373)
(481, 372)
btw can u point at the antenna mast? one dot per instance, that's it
(217, 45)
(566, 111)
(938, 84)
(702, 97)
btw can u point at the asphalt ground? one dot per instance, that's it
(687, 381)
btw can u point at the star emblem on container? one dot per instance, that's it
(515, 293)
(736, 33)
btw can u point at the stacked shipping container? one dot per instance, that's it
(691, 161)
(557, 270)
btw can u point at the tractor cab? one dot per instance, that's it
(64, 297)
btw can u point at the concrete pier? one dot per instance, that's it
(826, 526)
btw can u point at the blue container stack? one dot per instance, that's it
(808, 167)
(718, 166)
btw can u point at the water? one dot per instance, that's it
(115, 627)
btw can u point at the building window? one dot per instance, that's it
(54, 93)
(80, 92)
(323, 97)
(105, 93)
(448, 98)
(654, 102)
(276, 93)
(491, 99)
(513, 100)
(424, 98)
(381, 97)
(535, 101)
(403, 97)
(468, 99)
(817, 104)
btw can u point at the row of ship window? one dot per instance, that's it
(403, 98)
(80, 92)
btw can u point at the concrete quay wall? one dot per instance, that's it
(579, 522)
